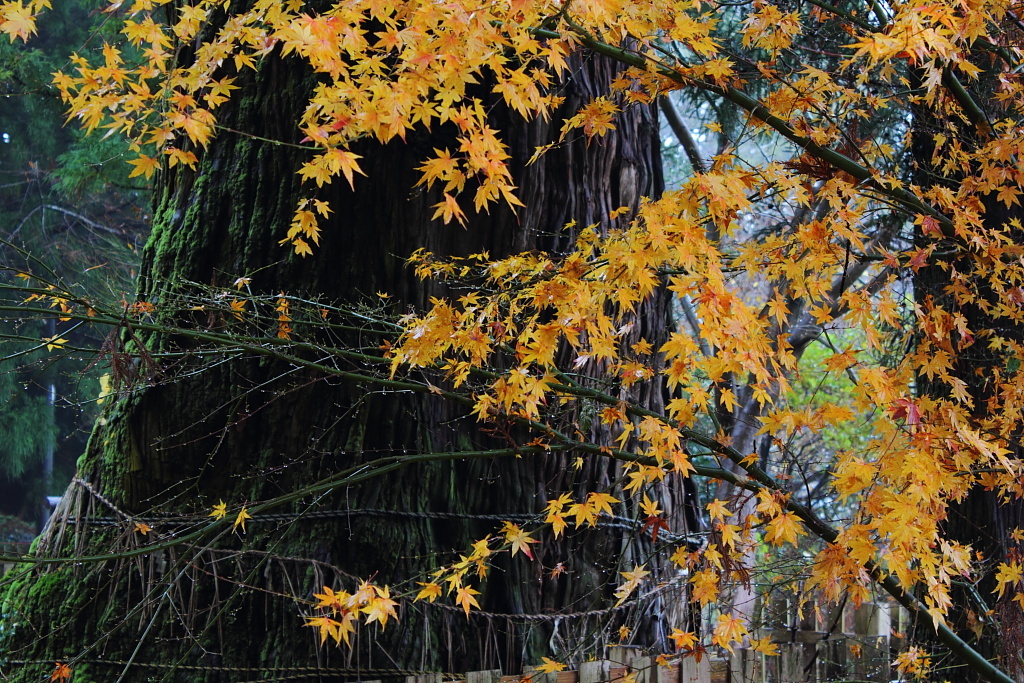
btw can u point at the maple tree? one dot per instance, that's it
(543, 325)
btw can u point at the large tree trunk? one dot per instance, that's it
(200, 427)
(984, 519)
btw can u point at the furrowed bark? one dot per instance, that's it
(248, 428)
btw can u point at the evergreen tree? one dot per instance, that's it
(68, 213)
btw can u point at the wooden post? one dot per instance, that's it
(648, 671)
(832, 663)
(872, 624)
(490, 676)
(809, 618)
(719, 670)
(692, 671)
(595, 672)
(791, 662)
(745, 666)
(622, 655)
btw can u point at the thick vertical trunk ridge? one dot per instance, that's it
(982, 519)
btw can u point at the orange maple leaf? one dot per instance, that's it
(464, 598)
(728, 631)
(61, 672)
(683, 640)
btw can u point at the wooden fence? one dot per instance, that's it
(823, 643)
(815, 644)
(639, 669)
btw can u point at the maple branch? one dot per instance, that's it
(827, 533)
(762, 480)
(687, 305)
(761, 113)
(974, 113)
(84, 220)
(859, 23)
(682, 133)
(756, 478)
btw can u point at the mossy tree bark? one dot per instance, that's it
(198, 427)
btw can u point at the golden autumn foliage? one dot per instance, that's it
(836, 273)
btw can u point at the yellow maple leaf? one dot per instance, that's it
(243, 515)
(449, 209)
(683, 640)
(144, 166)
(17, 21)
(54, 342)
(464, 598)
(765, 646)
(327, 627)
(519, 539)
(331, 600)
(219, 510)
(237, 308)
(143, 528)
(595, 118)
(729, 630)
(554, 513)
(853, 476)
(915, 662)
(550, 666)
(730, 534)
(784, 528)
(718, 510)
(633, 579)
(431, 591)
(1007, 576)
(105, 388)
(380, 607)
(650, 507)
(705, 587)
(442, 167)
(602, 502)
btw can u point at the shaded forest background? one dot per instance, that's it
(69, 209)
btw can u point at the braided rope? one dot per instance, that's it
(295, 671)
(536, 617)
(605, 521)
